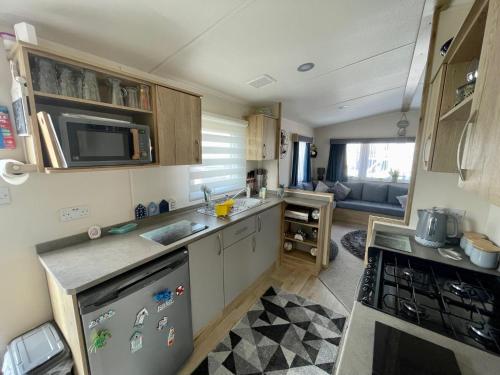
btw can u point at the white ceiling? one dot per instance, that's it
(362, 48)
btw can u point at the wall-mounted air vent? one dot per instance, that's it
(261, 81)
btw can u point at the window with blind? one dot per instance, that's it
(223, 169)
(374, 161)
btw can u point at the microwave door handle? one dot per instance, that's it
(136, 155)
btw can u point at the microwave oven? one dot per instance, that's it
(93, 141)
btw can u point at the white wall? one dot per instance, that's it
(285, 164)
(32, 216)
(379, 126)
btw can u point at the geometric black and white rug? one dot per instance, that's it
(282, 333)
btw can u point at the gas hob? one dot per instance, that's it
(458, 303)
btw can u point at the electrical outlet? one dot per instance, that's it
(74, 213)
(4, 195)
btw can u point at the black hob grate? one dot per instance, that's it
(461, 304)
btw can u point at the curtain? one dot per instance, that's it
(337, 163)
(307, 163)
(295, 164)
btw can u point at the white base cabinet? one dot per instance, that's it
(224, 264)
(238, 272)
(268, 240)
(206, 263)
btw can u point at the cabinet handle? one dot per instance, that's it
(197, 148)
(219, 236)
(426, 161)
(459, 148)
(264, 151)
(259, 223)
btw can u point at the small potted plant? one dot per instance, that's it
(394, 173)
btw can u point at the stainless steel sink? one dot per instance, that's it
(240, 205)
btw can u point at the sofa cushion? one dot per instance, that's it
(374, 192)
(375, 207)
(402, 199)
(321, 187)
(395, 191)
(340, 191)
(356, 189)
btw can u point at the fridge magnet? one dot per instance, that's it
(162, 323)
(141, 315)
(136, 342)
(171, 336)
(164, 299)
(140, 212)
(99, 339)
(153, 209)
(101, 318)
(179, 291)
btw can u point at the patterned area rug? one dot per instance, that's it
(355, 243)
(281, 334)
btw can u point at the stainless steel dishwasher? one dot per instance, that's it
(140, 322)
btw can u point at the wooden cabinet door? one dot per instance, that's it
(432, 118)
(206, 263)
(178, 119)
(255, 138)
(269, 141)
(238, 272)
(261, 138)
(482, 173)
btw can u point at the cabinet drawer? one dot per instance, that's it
(238, 231)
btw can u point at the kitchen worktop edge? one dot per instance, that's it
(87, 263)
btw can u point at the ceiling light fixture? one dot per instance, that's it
(305, 67)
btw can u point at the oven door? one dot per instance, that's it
(89, 143)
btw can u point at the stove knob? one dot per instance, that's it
(366, 288)
(367, 280)
(371, 259)
(369, 272)
(365, 299)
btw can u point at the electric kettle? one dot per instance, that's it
(432, 227)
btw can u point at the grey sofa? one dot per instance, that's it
(371, 197)
(375, 197)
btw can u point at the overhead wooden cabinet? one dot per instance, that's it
(206, 262)
(178, 117)
(445, 114)
(262, 135)
(481, 137)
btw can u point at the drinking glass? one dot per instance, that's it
(90, 87)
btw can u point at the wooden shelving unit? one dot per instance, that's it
(300, 254)
(48, 98)
(304, 223)
(305, 242)
(460, 112)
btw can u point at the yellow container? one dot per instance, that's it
(223, 209)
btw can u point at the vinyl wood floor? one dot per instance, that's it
(286, 278)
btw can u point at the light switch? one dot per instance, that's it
(4, 195)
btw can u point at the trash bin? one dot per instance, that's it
(39, 351)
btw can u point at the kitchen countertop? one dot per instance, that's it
(420, 251)
(356, 355)
(83, 265)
